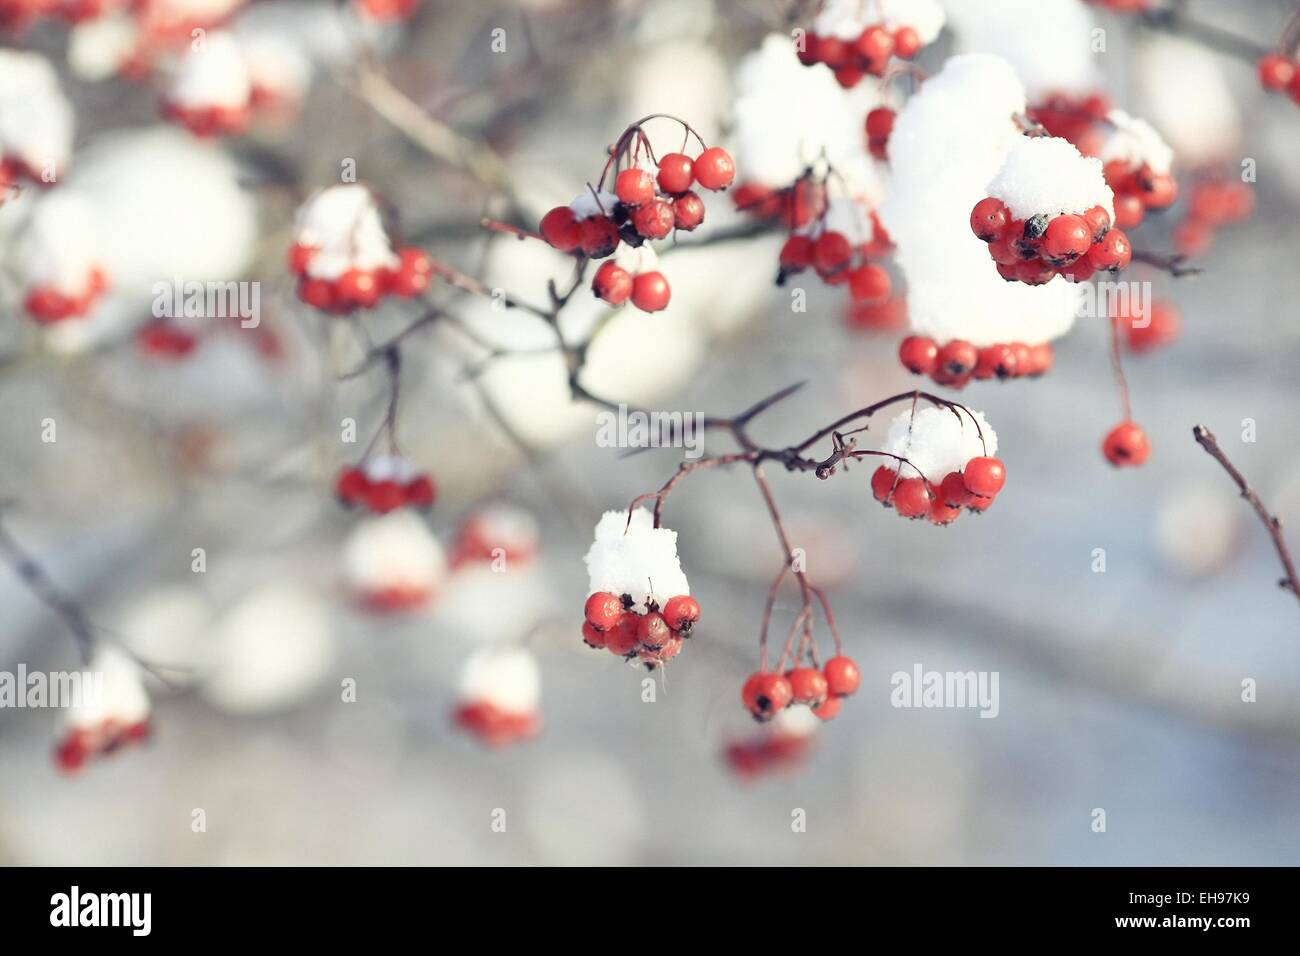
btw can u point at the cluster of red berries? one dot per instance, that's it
(1126, 445)
(766, 693)
(887, 316)
(382, 493)
(1212, 204)
(768, 752)
(209, 121)
(1280, 74)
(82, 743)
(48, 305)
(360, 288)
(654, 637)
(879, 126)
(837, 260)
(494, 726)
(13, 169)
(793, 207)
(1037, 249)
(1138, 189)
(1075, 119)
(390, 10)
(956, 362)
(972, 488)
(645, 208)
(1145, 331)
(164, 339)
(868, 54)
(15, 15)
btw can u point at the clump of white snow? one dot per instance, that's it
(60, 246)
(1048, 175)
(36, 119)
(394, 553)
(950, 139)
(114, 693)
(343, 224)
(637, 559)
(212, 74)
(593, 202)
(846, 19)
(1136, 143)
(937, 441)
(506, 677)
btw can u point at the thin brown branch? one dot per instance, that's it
(1205, 438)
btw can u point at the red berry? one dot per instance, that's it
(413, 274)
(808, 685)
(318, 293)
(358, 287)
(599, 237)
(882, 484)
(603, 610)
(797, 253)
(1276, 72)
(1098, 222)
(942, 514)
(1040, 359)
(385, 496)
(989, 219)
(953, 491)
(984, 476)
(621, 639)
(766, 694)
(1113, 253)
(351, 485)
(918, 354)
(592, 637)
(300, 257)
(875, 45)
(676, 172)
(654, 220)
(831, 252)
(907, 43)
(634, 187)
(650, 292)
(1126, 445)
(912, 497)
(688, 211)
(842, 676)
(829, 708)
(1067, 238)
(652, 630)
(612, 283)
(560, 229)
(1293, 88)
(999, 360)
(1003, 251)
(1129, 210)
(833, 51)
(870, 283)
(957, 358)
(1160, 329)
(714, 168)
(421, 492)
(880, 123)
(1157, 190)
(682, 613)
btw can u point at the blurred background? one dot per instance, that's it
(1119, 690)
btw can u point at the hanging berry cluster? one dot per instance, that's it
(115, 715)
(1212, 204)
(857, 39)
(1037, 249)
(933, 442)
(1074, 118)
(385, 483)
(878, 126)
(955, 362)
(344, 258)
(652, 197)
(1137, 190)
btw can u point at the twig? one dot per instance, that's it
(1171, 263)
(42, 585)
(1205, 438)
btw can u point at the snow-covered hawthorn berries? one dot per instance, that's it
(940, 461)
(500, 691)
(385, 483)
(858, 39)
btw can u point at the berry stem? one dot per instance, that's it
(39, 582)
(1272, 524)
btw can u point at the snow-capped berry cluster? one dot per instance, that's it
(955, 362)
(36, 121)
(857, 38)
(344, 258)
(496, 532)
(211, 91)
(393, 563)
(1049, 213)
(780, 744)
(650, 200)
(59, 260)
(1279, 73)
(767, 693)
(113, 711)
(385, 483)
(1212, 204)
(639, 604)
(944, 462)
(499, 698)
(1137, 164)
